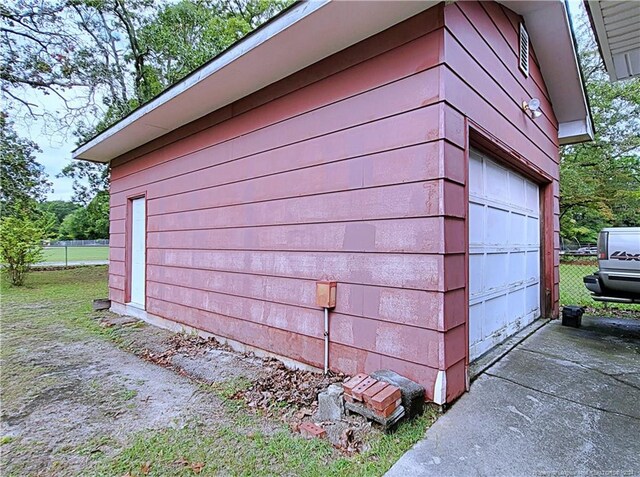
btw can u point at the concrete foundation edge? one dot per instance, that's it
(164, 323)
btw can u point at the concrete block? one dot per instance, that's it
(101, 304)
(412, 392)
(330, 404)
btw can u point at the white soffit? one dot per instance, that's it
(301, 36)
(617, 29)
(311, 31)
(551, 36)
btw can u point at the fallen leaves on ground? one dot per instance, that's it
(183, 344)
(196, 467)
(280, 387)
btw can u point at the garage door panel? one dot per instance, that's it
(518, 230)
(497, 263)
(533, 266)
(496, 226)
(533, 199)
(476, 265)
(517, 190)
(496, 182)
(476, 183)
(476, 224)
(533, 231)
(476, 312)
(504, 253)
(517, 303)
(533, 298)
(517, 261)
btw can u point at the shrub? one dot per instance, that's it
(20, 246)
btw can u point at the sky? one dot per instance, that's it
(56, 148)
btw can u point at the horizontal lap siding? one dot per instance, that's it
(483, 83)
(338, 172)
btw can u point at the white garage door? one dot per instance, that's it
(504, 253)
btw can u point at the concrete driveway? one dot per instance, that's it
(563, 402)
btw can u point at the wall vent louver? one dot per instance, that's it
(524, 51)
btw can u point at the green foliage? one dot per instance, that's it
(59, 208)
(600, 180)
(88, 223)
(22, 179)
(20, 246)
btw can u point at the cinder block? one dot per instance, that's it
(330, 405)
(385, 397)
(310, 430)
(412, 392)
(373, 390)
(351, 383)
(362, 387)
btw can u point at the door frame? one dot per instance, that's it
(128, 230)
(480, 139)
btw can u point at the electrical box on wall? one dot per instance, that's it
(326, 294)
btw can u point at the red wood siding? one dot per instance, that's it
(482, 82)
(337, 172)
(353, 169)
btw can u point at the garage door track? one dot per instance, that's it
(565, 401)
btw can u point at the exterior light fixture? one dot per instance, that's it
(532, 108)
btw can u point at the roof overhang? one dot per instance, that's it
(310, 31)
(617, 29)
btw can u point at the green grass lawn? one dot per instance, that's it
(55, 307)
(75, 254)
(573, 291)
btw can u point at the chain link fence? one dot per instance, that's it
(574, 266)
(75, 252)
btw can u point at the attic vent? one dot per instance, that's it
(524, 51)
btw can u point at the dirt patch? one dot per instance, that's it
(88, 396)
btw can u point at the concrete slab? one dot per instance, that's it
(563, 402)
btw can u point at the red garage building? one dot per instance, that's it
(406, 150)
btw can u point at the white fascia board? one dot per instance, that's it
(303, 35)
(549, 28)
(601, 34)
(573, 132)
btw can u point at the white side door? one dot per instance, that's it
(504, 253)
(138, 252)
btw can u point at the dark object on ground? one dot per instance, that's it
(388, 423)
(572, 316)
(412, 392)
(101, 304)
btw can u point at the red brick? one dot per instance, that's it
(348, 398)
(362, 387)
(310, 430)
(386, 412)
(385, 397)
(351, 383)
(373, 390)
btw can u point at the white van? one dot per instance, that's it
(618, 277)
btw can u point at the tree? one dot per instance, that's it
(104, 58)
(22, 180)
(88, 223)
(20, 246)
(59, 208)
(600, 180)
